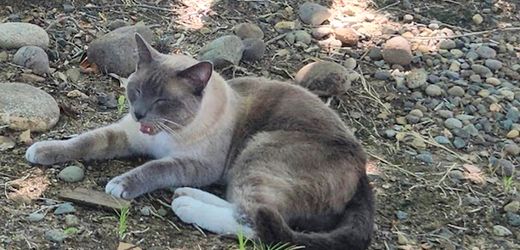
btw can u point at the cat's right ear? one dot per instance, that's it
(145, 52)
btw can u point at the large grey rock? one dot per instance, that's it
(115, 51)
(313, 13)
(25, 107)
(15, 35)
(325, 78)
(223, 51)
(34, 58)
(397, 50)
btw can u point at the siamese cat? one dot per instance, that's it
(293, 171)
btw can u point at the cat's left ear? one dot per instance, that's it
(198, 75)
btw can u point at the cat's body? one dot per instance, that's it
(287, 159)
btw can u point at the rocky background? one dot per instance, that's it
(432, 88)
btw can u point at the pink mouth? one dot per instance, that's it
(147, 129)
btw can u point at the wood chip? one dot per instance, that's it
(127, 246)
(94, 198)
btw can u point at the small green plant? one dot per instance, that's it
(243, 242)
(70, 230)
(507, 182)
(122, 226)
(121, 103)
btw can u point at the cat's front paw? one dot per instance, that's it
(124, 186)
(47, 152)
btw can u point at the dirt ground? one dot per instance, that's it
(432, 209)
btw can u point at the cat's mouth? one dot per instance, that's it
(147, 128)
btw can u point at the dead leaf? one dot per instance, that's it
(127, 246)
(471, 168)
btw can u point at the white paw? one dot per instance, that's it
(201, 195)
(122, 187)
(46, 152)
(187, 209)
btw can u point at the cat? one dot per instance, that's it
(293, 171)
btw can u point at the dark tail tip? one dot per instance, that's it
(271, 228)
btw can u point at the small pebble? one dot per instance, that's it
(513, 134)
(459, 143)
(65, 208)
(456, 91)
(425, 157)
(71, 220)
(501, 231)
(452, 123)
(442, 139)
(513, 219)
(146, 210)
(55, 235)
(477, 19)
(512, 149)
(35, 217)
(72, 174)
(433, 90)
(486, 52)
(512, 207)
(493, 64)
(401, 215)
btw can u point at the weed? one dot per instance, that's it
(507, 182)
(121, 103)
(243, 242)
(122, 226)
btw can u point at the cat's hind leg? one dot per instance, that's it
(216, 219)
(201, 195)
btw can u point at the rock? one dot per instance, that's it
(402, 239)
(114, 52)
(457, 53)
(254, 49)
(512, 149)
(72, 174)
(477, 19)
(4, 56)
(433, 90)
(401, 215)
(459, 143)
(65, 208)
(324, 78)
(505, 167)
(512, 207)
(390, 133)
(493, 64)
(425, 157)
(513, 219)
(55, 235)
(452, 123)
(73, 74)
(313, 14)
(25, 137)
(447, 44)
(481, 70)
(397, 51)
(414, 116)
(302, 37)
(145, 211)
(77, 94)
(407, 18)
(347, 36)
(162, 212)
(513, 134)
(26, 107)
(16, 35)
(445, 113)
(456, 175)
(442, 139)
(34, 58)
(67, 7)
(350, 63)
(382, 75)
(486, 52)
(416, 78)
(321, 32)
(493, 81)
(375, 53)
(223, 51)
(71, 220)
(6, 143)
(501, 231)
(248, 30)
(285, 26)
(35, 217)
(456, 91)
(118, 23)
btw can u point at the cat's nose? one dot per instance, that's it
(138, 115)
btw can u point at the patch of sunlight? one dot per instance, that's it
(191, 14)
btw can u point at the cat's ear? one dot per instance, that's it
(198, 75)
(145, 52)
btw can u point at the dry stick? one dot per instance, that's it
(395, 166)
(445, 175)
(433, 143)
(276, 38)
(467, 34)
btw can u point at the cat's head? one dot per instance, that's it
(165, 91)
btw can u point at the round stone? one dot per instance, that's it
(347, 36)
(493, 64)
(477, 19)
(254, 49)
(452, 123)
(248, 30)
(34, 58)
(433, 90)
(486, 52)
(72, 174)
(447, 44)
(25, 107)
(223, 51)
(313, 13)
(324, 78)
(397, 50)
(16, 35)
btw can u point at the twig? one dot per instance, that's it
(388, 6)
(276, 38)
(395, 166)
(446, 174)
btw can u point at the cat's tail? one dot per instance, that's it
(353, 232)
